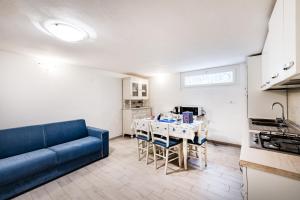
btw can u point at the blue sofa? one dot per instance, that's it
(33, 155)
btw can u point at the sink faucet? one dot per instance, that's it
(282, 109)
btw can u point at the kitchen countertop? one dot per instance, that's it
(278, 163)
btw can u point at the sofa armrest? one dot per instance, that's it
(103, 135)
(96, 132)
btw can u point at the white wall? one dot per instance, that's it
(226, 106)
(32, 93)
(294, 105)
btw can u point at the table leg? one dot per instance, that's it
(180, 155)
(185, 153)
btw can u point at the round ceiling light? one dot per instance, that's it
(65, 32)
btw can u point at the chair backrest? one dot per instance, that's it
(178, 130)
(160, 132)
(142, 127)
(204, 127)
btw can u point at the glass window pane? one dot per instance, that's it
(208, 78)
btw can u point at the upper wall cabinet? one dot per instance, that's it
(282, 47)
(135, 88)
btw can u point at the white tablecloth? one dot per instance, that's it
(176, 129)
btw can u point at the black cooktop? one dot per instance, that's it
(289, 143)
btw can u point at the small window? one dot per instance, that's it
(207, 77)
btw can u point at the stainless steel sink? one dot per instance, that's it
(268, 122)
(263, 120)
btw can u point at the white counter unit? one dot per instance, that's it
(134, 113)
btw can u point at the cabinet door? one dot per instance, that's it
(144, 90)
(134, 89)
(289, 67)
(265, 60)
(276, 43)
(265, 64)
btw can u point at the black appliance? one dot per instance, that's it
(176, 110)
(276, 141)
(195, 110)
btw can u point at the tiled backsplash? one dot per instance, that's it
(294, 105)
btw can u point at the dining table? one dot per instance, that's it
(180, 130)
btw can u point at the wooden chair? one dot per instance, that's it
(162, 141)
(142, 132)
(199, 144)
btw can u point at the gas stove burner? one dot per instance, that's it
(294, 142)
(265, 137)
(271, 145)
(276, 141)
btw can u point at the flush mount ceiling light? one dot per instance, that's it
(65, 31)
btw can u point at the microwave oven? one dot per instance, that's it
(194, 109)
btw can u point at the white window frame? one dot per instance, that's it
(209, 71)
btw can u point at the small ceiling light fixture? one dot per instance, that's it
(65, 31)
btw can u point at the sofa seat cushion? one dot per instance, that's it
(198, 140)
(172, 142)
(24, 165)
(77, 148)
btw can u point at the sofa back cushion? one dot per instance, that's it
(21, 140)
(62, 132)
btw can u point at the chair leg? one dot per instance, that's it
(196, 149)
(138, 143)
(167, 160)
(142, 150)
(154, 154)
(205, 153)
(147, 152)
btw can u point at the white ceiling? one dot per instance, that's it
(140, 36)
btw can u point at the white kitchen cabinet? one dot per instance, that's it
(266, 64)
(276, 43)
(291, 22)
(130, 114)
(263, 185)
(273, 49)
(281, 48)
(135, 88)
(259, 102)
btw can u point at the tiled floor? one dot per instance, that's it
(122, 176)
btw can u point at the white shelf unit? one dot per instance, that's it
(135, 102)
(133, 113)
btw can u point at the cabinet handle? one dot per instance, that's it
(288, 66)
(268, 82)
(275, 76)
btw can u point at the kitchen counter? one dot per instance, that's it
(278, 163)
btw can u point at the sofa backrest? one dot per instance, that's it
(21, 140)
(61, 132)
